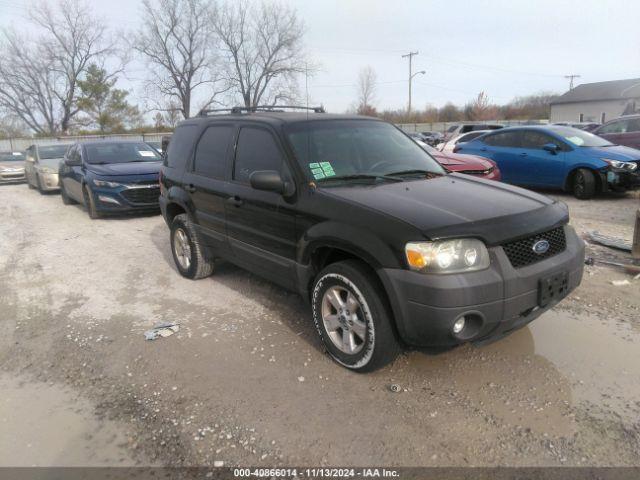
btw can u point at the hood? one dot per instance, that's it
(130, 168)
(12, 163)
(616, 152)
(457, 205)
(458, 162)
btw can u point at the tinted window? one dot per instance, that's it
(211, 152)
(120, 152)
(505, 139)
(634, 125)
(536, 140)
(469, 136)
(52, 151)
(257, 150)
(615, 127)
(180, 146)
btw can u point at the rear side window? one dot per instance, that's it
(211, 152)
(257, 150)
(634, 125)
(180, 146)
(615, 127)
(469, 136)
(506, 139)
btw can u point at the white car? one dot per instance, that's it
(449, 145)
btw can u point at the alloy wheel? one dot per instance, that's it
(182, 248)
(344, 320)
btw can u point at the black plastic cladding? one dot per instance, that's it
(521, 254)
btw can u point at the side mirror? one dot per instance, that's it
(270, 181)
(551, 148)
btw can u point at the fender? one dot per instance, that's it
(178, 196)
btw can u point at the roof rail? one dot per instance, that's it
(259, 108)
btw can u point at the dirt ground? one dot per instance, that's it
(245, 380)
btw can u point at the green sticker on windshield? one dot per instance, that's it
(321, 170)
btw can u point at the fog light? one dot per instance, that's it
(459, 325)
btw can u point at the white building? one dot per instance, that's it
(597, 102)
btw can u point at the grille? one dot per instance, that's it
(478, 172)
(142, 195)
(521, 253)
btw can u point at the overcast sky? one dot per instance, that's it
(505, 48)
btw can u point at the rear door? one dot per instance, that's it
(504, 149)
(541, 167)
(207, 184)
(72, 175)
(260, 224)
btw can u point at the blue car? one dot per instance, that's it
(558, 157)
(111, 177)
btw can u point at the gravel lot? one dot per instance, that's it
(245, 381)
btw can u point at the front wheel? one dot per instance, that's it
(353, 318)
(189, 252)
(90, 203)
(584, 184)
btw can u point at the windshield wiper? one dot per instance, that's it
(362, 176)
(413, 172)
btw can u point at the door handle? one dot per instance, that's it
(483, 149)
(523, 154)
(191, 188)
(235, 201)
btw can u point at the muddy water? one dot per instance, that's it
(45, 425)
(545, 374)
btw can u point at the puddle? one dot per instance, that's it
(44, 425)
(540, 375)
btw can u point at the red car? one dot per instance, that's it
(621, 131)
(469, 164)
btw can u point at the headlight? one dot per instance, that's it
(447, 256)
(104, 183)
(621, 165)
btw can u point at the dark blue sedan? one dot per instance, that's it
(111, 177)
(559, 157)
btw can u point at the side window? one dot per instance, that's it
(180, 146)
(256, 150)
(633, 125)
(504, 139)
(211, 152)
(615, 127)
(536, 140)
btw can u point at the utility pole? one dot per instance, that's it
(571, 78)
(411, 75)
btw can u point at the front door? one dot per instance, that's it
(261, 224)
(543, 168)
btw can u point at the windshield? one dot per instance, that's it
(125, 152)
(11, 157)
(52, 151)
(330, 149)
(580, 138)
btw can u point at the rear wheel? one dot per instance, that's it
(189, 253)
(352, 317)
(584, 184)
(90, 203)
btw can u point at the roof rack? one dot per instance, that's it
(259, 108)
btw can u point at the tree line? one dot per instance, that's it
(530, 107)
(195, 54)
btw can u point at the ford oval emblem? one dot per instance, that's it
(541, 247)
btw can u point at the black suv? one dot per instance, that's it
(388, 246)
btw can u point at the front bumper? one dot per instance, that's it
(12, 176)
(496, 301)
(134, 196)
(617, 179)
(49, 181)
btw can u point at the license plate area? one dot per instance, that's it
(552, 288)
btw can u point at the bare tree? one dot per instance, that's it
(366, 88)
(262, 43)
(178, 43)
(39, 77)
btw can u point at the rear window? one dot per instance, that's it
(11, 156)
(180, 146)
(52, 151)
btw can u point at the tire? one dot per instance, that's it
(90, 203)
(360, 335)
(192, 259)
(39, 185)
(65, 197)
(29, 184)
(584, 184)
